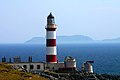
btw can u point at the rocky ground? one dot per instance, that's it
(8, 73)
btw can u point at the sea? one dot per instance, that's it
(106, 56)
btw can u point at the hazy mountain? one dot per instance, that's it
(112, 40)
(40, 40)
(71, 39)
(62, 39)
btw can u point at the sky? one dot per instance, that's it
(21, 20)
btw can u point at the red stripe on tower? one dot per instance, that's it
(51, 52)
(51, 58)
(51, 42)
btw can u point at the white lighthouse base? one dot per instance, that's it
(54, 66)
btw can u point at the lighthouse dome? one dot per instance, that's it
(50, 16)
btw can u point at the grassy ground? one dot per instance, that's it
(7, 73)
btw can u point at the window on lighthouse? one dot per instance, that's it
(52, 21)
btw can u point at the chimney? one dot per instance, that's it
(30, 59)
(10, 60)
(3, 59)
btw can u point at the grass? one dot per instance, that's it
(7, 73)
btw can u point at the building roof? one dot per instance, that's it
(69, 58)
(25, 62)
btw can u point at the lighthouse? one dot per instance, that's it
(51, 52)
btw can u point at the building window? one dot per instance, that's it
(53, 68)
(31, 66)
(38, 66)
(25, 66)
(47, 67)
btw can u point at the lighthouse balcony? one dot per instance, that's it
(51, 26)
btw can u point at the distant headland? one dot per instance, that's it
(73, 39)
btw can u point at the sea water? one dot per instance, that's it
(106, 56)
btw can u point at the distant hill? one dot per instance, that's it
(62, 39)
(36, 40)
(112, 40)
(71, 39)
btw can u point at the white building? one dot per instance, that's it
(70, 62)
(30, 66)
(87, 67)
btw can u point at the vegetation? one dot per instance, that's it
(7, 73)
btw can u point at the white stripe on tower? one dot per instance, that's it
(51, 51)
(51, 35)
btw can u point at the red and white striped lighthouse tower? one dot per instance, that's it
(51, 52)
